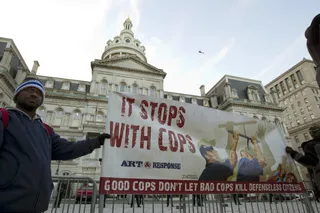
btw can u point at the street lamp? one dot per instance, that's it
(57, 170)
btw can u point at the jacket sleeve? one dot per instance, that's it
(65, 150)
(1, 131)
(305, 160)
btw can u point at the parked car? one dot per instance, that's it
(84, 193)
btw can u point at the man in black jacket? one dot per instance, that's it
(310, 159)
(313, 43)
(27, 147)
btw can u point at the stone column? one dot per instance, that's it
(161, 93)
(35, 67)
(227, 90)
(274, 96)
(92, 87)
(21, 75)
(202, 90)
(214, 101)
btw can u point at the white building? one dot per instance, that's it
(78, 109)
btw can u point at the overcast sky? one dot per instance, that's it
(256, 39)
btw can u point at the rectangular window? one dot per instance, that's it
(288, 83)
(301, 111)
(306, 100)
(309, 108)
(278, 90)
(296, 138)
(282, 87)
(300, 77)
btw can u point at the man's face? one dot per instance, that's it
(30, 98)
(212, 156)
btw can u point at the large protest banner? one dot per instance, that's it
(169, 147)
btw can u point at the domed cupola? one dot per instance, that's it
(124, 44)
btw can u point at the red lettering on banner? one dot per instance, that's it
(173, 142)
(130, 101)
(120, 131)
(176, 141)
(192, 148)
(153, 109)
(173, 112)
(165, 114)
(134, 128)
(123, 106)
(149, 186)
(182, 141)
(143, 113)
(145, 138)
(116, 133)
(160, 140)
(162, 113)
(126, 139)
(180, 122)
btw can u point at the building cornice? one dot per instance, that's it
(297, 90)
(233, 102)
(16, 51)
(84, 97)
(303, 126)
(106, 64)
(288, 71)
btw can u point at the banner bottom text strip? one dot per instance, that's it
(151, 186)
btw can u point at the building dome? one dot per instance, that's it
(124, 44)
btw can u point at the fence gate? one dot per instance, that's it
(73, 194)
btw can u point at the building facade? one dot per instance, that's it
(297, 91)
(78, 109)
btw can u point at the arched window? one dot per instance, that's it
(135, 88)
(264, 119)
(59, 113)
(123, 87)
(277, 121)
(103, 86)
(152, 91)
(100, 117)
(76, 114)
(255, 117)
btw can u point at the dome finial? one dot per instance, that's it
(127, 24)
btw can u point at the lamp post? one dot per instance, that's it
(57, 170)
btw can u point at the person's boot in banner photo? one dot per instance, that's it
(313, 43)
